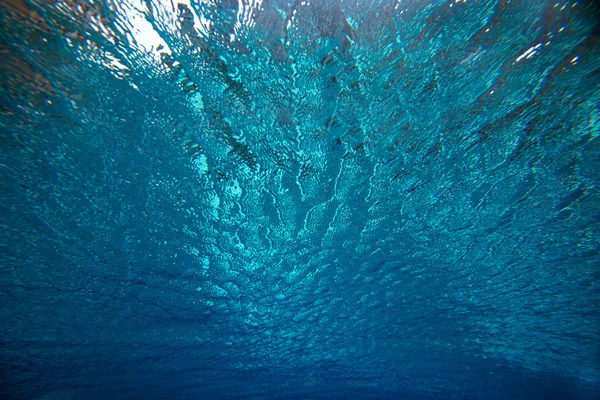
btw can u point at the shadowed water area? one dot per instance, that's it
(318, 199)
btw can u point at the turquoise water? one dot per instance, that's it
(299, 200)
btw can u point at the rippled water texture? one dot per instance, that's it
(317, 199)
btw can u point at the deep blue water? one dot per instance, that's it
(318, 199)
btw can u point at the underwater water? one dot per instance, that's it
(316, 199)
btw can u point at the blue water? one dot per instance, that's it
(318, 199)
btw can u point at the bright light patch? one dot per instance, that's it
(529, 53)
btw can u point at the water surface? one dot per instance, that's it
(299, 199)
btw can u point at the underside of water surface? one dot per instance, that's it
(316, 199)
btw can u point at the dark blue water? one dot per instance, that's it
(315, 199)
